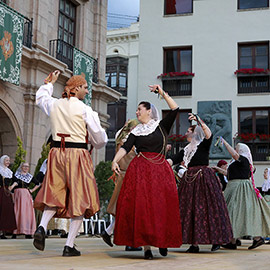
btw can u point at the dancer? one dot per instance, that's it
(121, 137)
(221, 170)
(7, 215)
(250, 215)
(69, 187)
(147, 212)
(266, 185)
(203, 210)
(23, 201)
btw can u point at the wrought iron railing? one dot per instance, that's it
(253, 84)
(63, 51)
(177, 86)
(176, 147)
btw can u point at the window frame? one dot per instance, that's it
(178, 14)
(238, 6)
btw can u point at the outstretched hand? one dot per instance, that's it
(115, 167)
(192, 117)
(156, 88)
(52, 77)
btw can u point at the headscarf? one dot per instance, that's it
(148, 128)
(5, 171)
(266, 183)
(190, 150)
(71, 84)
(24, 177)
(122, 134)
(244, 150)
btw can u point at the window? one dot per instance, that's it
(178, 6)
(116, 74)
(246, 4)
(253, 56)
(67, 19)
(256, 122)
(178, 60)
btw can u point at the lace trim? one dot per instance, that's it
(25, 178)
(145, 129)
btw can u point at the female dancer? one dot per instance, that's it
(7, 216)
(250, 215)
(203, 210)
(266, 185)
(147, 212)
(23, 202)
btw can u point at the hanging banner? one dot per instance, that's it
(11, 37)
(83, 64)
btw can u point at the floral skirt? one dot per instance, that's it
(147, 211)
(69, 184)
(7, 215)
(249, 215)
(204, 214)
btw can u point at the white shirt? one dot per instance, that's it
(96, 134)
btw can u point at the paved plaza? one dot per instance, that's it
(20, 254)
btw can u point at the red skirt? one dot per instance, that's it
(147, 210)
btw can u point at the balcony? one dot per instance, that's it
(178, 86)
(253, 84)
(176, 147)
(63, 51)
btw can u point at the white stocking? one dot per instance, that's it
(110, 229)
(48, 213)
(74, 227)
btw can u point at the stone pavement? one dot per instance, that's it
(20, 254)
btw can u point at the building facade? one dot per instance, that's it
(212, 57)
(56, 28)
(122, 75)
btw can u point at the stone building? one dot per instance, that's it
(55, 28)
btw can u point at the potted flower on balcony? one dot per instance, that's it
(177, 138)
(251, 71)
(176, 74)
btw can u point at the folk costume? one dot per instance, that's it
(23, 203)
(69, 189)
(203, 210)
(250, 215)
(7, 215)
(266, 187)
(147, 211)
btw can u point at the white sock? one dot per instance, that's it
(74, 227)
(48, 213)
(110, 229)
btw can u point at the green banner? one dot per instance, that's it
(11, 37)
(83, 64)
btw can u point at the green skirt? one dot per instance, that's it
(249, 215)
(267, 199)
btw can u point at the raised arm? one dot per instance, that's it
(44, 97)
(205, 128)
(158, 90)
(230, 149)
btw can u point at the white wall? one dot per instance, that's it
(213, 30)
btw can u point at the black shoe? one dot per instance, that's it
(193, 249)
(28, 236)
(238, 242)
(163, 251)
(106, 238)
(39, 238)
(257, 243)
(230, 246)
(3, 236)
(215, 247)
(129, 248)
(69, 251)
(148, 255)
(14, 236)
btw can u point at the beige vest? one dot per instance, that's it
(66, 117)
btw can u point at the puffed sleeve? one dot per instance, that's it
(96, 134)
(44, 98)
(129, 143)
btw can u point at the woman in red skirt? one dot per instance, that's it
(205, 218)
(147, 211)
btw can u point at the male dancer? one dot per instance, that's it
(69, 188)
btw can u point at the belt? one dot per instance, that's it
(69, 145)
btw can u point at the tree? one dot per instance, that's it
(19, 155)
(105, 188)
(44, 154)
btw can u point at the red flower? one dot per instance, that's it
(176, 74)
(177, 138)
(252, 71)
